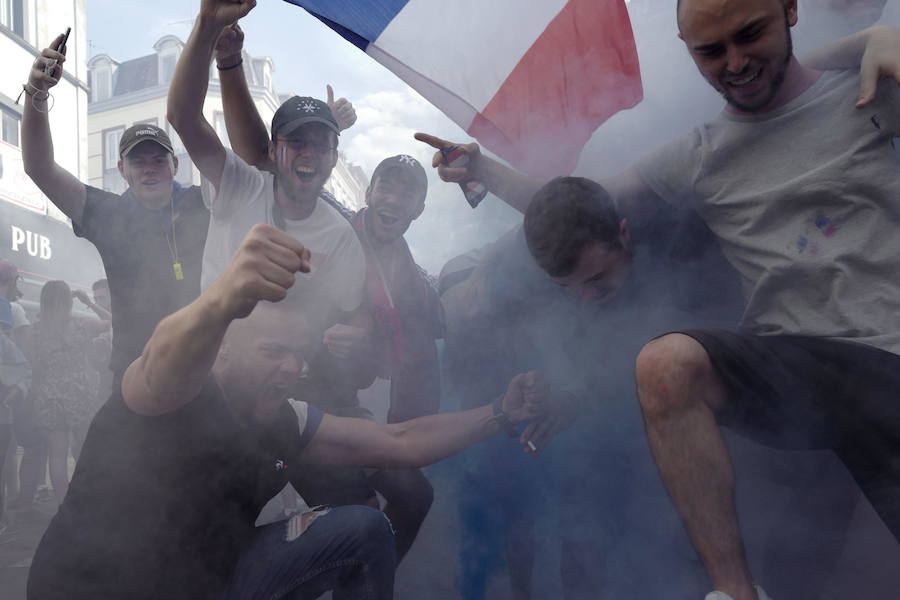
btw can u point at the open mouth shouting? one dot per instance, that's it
(305, 173)
(388, 219)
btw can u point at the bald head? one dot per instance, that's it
(261, 359)
(719, 5)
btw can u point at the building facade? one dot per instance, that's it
(34, 234)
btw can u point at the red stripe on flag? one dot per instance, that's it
(581, 70)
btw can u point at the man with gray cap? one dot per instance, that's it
(150, 237)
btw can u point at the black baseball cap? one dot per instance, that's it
(406, 166)
(300, 110)
(142, 132)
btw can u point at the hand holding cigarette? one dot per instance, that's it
(560, 411)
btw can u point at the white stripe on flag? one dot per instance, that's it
(468, 46)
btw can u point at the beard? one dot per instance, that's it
(778, 77)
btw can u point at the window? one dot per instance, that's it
(185, 174)
(267, 76)
(102, 80)
(167, 60)
(177, 144)
(111, 139)
(10, 126)
(12, 16)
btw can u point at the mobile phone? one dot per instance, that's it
(51, 71)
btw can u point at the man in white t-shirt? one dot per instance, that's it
(302, 152)
(304, 134)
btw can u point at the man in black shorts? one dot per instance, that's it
(798, 180)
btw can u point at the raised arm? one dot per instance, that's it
(191, 82)
(248, 133)
(874, 51)
(426, 440)
(63, 188)
(177, 360)
(514, 188)
(629, 191)
(102, 313)
(246, 130)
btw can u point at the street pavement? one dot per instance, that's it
(17, 545)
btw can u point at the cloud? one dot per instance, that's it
(386, 123)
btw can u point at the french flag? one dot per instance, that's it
(531, 80)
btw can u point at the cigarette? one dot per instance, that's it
(531, 446)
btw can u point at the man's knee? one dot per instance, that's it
(407, 492)
(671, 371)
(369, 525)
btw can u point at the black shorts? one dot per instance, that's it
(802, 392)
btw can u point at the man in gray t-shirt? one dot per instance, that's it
(799, 197)
(802, 190)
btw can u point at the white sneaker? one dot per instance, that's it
(723, 596)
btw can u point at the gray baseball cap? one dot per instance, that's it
(406, 166)
(142, 132)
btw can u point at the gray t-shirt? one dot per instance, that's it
(805, 201)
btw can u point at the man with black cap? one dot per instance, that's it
(399, 297)
(302, 154)
(150, 238)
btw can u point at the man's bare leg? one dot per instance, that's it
(679, 391)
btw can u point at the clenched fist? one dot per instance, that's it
(262, 269)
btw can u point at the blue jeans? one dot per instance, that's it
(349, 550)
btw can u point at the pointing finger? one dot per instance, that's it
(330, 94)
(433, 141)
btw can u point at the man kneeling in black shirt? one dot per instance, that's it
(176, 467)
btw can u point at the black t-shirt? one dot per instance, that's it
(160, 507)
(138, 248)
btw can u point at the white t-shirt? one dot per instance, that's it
(245, 197)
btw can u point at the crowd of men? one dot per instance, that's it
(743, 272)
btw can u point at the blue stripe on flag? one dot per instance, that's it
(359, 21)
